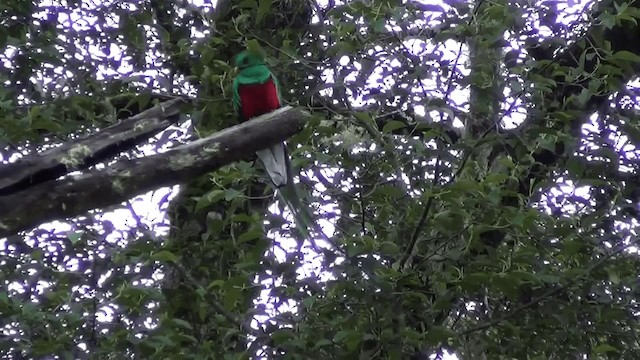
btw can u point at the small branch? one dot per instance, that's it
(423, 217)
(215, 303)
(362, 209)
(134, 214)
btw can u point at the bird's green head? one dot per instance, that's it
(248, 58)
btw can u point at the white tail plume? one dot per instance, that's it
(275, 163)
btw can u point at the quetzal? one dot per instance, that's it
(255, 92)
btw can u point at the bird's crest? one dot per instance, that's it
(252, 56)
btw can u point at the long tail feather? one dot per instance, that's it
(302, 216)
(274, 160)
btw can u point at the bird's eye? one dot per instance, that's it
(245, 61)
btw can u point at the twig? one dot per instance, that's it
(423, 217)
(215, 303)
(362, 210)
(135, 215)
(416, 232)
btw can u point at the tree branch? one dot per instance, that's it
(79, 155)
(72, 196)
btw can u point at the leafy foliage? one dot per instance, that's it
(475, 162)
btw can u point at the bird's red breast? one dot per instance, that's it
(258, 99)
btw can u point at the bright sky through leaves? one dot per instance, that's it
(144, 210)
(145, 207)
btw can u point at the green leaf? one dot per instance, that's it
(614, 276)
(572, 247)
(607, 19)
(507, 283)
(378, 25)
(264, 6)
(250, 235)
(389, 248)
(231, 295)
(475, 280)
(186, 338)
(340, 336)
(143, 101)
(604, 348)
(524, 276)
(443, 302)
(353, 340)
(210, 198)
(231, 194)
(552, 279)
(584, 97)
(390, 191)
(321, 343)
(74, 236)
(626, 56)
(393, 125)
(215, 284)
(164, 256)
(609, 154)
(182, 323)
(282, 336)
(439, 334)
(363, 116)
(576, 166)
(308, 301)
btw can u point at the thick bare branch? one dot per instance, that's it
(79, 155)
(73, 196)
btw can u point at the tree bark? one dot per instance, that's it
(72, 196)
(37, 168)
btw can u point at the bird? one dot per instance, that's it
(255, 93)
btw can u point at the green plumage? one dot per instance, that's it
(253, 70)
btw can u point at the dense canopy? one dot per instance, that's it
(472, 164)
